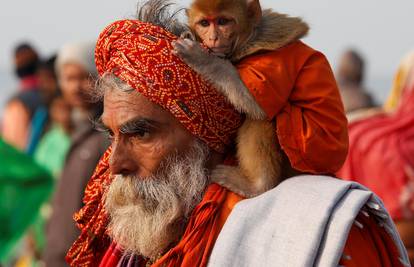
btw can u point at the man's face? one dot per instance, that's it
(142, 133)
(76, 83)
(159, 170)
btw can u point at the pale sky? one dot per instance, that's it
(381, 30)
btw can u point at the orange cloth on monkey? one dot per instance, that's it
(295, 85)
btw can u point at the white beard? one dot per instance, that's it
(149, 214)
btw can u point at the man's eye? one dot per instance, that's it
(204, 23)
(142, 134)
(223, 21)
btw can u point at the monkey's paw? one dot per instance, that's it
(190, 52)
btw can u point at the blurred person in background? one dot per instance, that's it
(381, 154)
(51, 125)
(21, 107)
(402, 78)
(76, 70)
(48, 90)
(350, 77)
(54, 145)
(49, 144)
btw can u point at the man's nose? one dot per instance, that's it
(121, 160)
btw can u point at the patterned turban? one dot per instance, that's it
(140, 54)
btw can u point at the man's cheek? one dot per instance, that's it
(149, 157)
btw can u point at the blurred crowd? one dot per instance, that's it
(48, 122)
(47, 131)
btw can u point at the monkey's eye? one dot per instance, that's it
(223, 21)
(204, 23)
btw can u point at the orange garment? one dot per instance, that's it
(295, 85)
(202, 230)
(369, 246)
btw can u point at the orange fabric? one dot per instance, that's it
(295, 85)
(370, 246)
(202, 230)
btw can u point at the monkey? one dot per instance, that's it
(229, 31)
(256, 138)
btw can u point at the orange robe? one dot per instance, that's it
(295, 85)
(369, 246)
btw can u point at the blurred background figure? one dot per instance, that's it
(21, 108)
(381, 153)
(350, 77)
(54, 145)
(401, 80)
(76, 70)
(51, 125)
(47, 90)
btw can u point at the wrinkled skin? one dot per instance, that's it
(143, 134)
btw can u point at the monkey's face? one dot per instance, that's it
(218, 33)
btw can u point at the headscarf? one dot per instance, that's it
(400, 82)
(140, 54)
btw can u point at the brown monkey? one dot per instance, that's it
(233, 30)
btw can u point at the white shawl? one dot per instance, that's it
(305, 221)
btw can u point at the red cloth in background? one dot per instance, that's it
(381, 157)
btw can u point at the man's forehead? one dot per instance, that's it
(121, 107)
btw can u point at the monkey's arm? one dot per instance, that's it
(222, 74)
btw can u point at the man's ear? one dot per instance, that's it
(254, 11)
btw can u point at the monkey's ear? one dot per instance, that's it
(254, 11)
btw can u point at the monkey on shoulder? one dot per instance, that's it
(233, 30)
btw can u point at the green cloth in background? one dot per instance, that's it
(57, 143)
(24, 187)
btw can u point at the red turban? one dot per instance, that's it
(140, 54)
